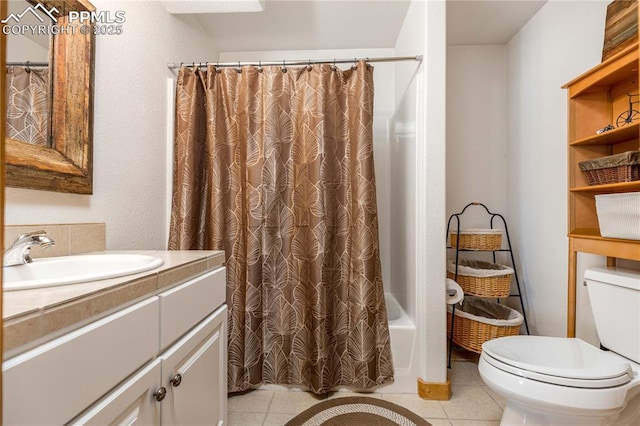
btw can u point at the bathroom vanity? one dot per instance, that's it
(148, 348)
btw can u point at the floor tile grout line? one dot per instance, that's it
(266, 414)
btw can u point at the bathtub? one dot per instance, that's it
(402, 332)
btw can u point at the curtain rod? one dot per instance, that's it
(175, 65)
(27, 64)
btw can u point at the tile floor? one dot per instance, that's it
(472, 403)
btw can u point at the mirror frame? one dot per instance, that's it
(68, 165)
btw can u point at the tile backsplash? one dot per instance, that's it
(70, 238)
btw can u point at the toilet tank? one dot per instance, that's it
(615, 301)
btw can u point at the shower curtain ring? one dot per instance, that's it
(284, 66)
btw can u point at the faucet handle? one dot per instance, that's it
(19, 252)
(32, 234)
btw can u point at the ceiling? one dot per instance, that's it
(349, 24)
(476, 22)
(308, 25)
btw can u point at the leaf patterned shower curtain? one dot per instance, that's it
(275, 166)
(28, 105)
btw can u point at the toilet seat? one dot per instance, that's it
(559, 361)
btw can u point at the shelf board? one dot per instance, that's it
(610, 187)
(624, 63)
(590, 241)
(612, 137)
(594, 234)
(586, 233)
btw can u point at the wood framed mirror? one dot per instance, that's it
(65, 163)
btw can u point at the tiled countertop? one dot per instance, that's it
(31, 317)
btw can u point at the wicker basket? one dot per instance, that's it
(477, 239)
(482, 278)
(617, 168)
(619, 215)
(479, 320)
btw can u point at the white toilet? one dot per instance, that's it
(566, 381)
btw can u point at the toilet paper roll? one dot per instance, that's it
(454, 292)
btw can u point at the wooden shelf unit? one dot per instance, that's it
(595, 99)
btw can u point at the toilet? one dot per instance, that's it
(566, 381)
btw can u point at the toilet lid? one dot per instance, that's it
(562, 361)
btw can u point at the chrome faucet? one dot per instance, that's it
(19, 252)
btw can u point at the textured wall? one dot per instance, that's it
(561, 42)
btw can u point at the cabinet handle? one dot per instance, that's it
(177, 379)
(160, 394)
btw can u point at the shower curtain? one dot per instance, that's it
(274, 166)
(28, 105)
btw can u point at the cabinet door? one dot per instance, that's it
(54, 382)
(194, 371)
(132, 403)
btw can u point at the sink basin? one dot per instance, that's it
(55, 271)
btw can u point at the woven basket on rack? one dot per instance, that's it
(624, 167)
(482, 278)
(477, 239)
(478, 320)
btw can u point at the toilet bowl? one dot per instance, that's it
(559, 381)
(566, 381)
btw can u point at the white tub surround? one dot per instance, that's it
(402, 332)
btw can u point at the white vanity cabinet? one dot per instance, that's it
(161, 361)
(185, 385)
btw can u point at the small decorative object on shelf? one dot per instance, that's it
(480, 319)
(630, 115)
(605, 129)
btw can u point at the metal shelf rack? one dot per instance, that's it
(493, 217)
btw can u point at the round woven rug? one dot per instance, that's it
(357, 411)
